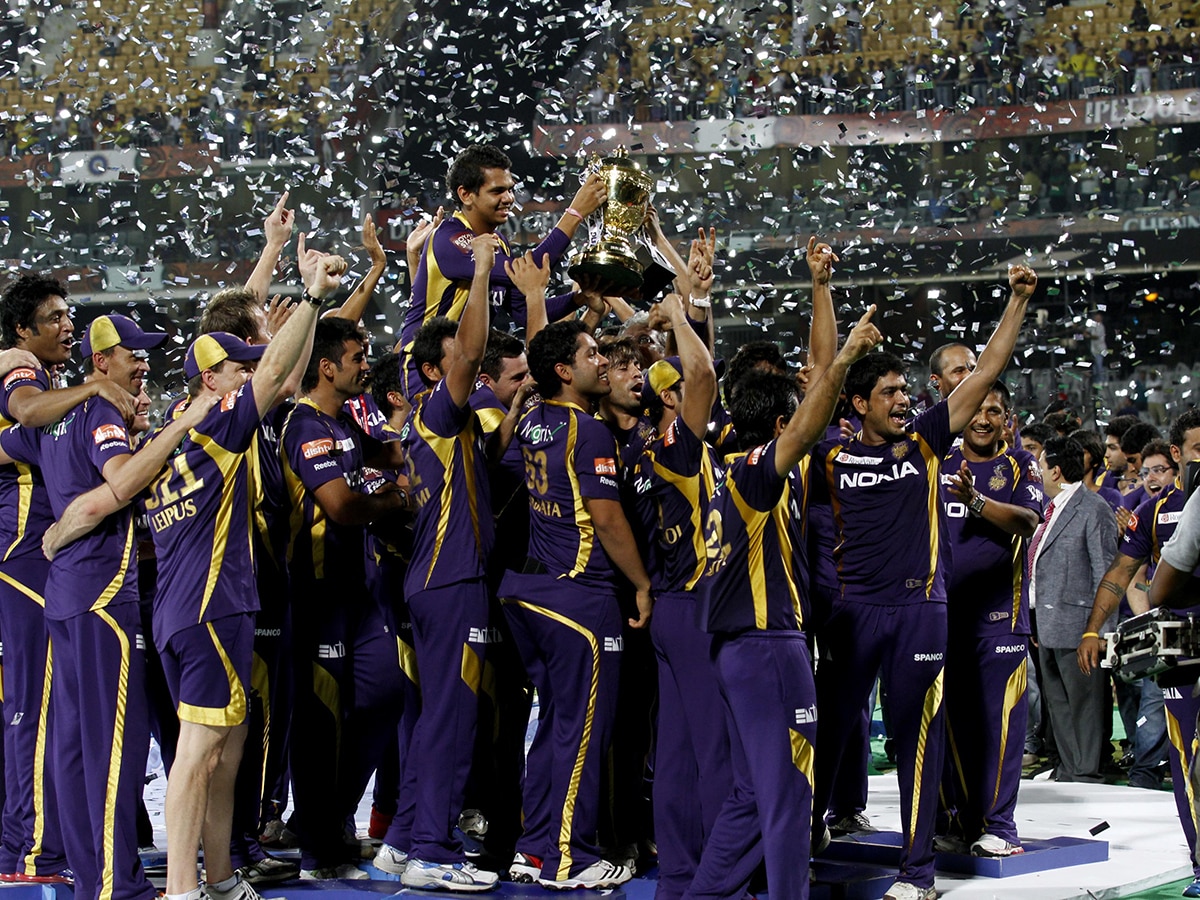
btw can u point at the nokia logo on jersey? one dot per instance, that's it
(331, 651)
(806, 716)
(870, 479)
(614, 644)
(539, 434)
(1011, 648)
(928, 657)
(485, 636)
(851, 460)
(956, 510)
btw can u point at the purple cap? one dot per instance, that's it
(115, 330)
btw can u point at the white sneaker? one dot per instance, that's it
(525, 869)
(600, 874)
(902, 890)
(389, 859)
(461, 876)
(241, 890)
(991, 845)
(345, 872)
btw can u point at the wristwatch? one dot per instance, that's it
(976, 504)
(315, 301)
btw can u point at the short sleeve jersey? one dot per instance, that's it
(317, 448)
(200, 511)
(673, 483)
(751, 581)
(985, 583)
(569, 456)
(98, 569)
(447, 471)
(1152, 525)
(443, 278)
(24, 505)
(890, 494)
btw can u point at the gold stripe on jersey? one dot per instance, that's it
(690, 488)
(39, 766)
(234, 712)
(1014, 690)
(257, 489)
(23, 589)
(803, 754)
(1175, 735)
(1155, 543)
(582, 517)
(24, 504)
(443, 448)
(227, 464)
(933, 702)
(471, 670)
(933, 473)
(116, 751)
(490, 418)
(114, 586)
(755, 523)
(568, 810)
(408, 661)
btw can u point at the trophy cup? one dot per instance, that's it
(613, 252)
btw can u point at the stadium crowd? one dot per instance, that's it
(317, 569)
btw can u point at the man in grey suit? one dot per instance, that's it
(1068, 555)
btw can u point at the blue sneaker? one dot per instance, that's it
(1193, 889)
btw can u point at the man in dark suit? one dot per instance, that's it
(1068, 555)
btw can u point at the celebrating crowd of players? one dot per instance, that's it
(316, 569)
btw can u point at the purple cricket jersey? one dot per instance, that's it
(751, 581)
(569, 456)
(1152, 525)
(316, 449)
(885, 544)
(986, 578)
(99, 569)
(673, 483)
(443, 278)
(24, 505)
(447, 471)
(200, 511)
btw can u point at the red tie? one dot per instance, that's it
(1037, 538)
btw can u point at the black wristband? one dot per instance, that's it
(311, 299)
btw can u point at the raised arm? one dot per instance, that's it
(808, 423)
(822, 333)
(1009, 517)
(356, 303)
(972, 390)
(290, 348)
(531, 279)
(699, 376)
(470, 340)
(416, 241)
(277, 227)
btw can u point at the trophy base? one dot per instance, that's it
(619, 269)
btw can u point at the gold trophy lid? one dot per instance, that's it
(620, 158)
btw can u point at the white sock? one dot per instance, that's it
(224, 887)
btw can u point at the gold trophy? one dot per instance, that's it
(613, 252)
